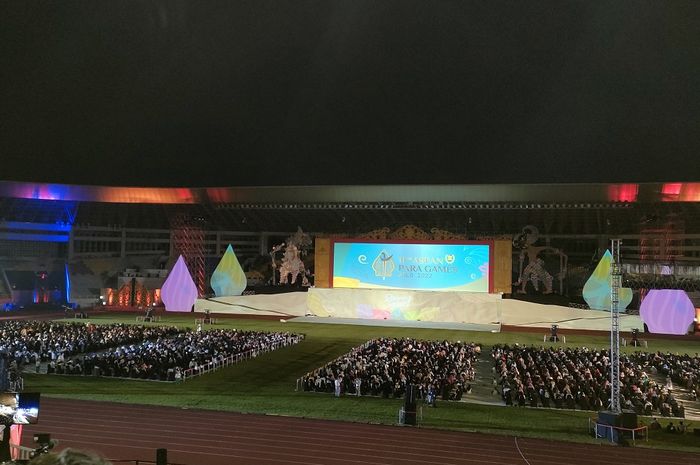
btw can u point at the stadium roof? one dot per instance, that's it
(627, 192)
(577, 209)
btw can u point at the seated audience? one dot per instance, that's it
(163, 358)
(47, 341)
(579, 378)
(384, 367)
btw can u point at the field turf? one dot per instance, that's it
(267, 384)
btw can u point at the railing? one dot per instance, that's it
(233, 359)
(21, 452)
(402, 415)
(641, 431)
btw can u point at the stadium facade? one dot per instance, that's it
(88, 237)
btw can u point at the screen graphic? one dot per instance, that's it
(430, 267)
(19, 408)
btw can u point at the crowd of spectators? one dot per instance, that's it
(126, 350)
(683, 370)
(384, 367)
(167, 358)
(576, 378)
(35, 342)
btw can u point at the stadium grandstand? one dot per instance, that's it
(93, 235)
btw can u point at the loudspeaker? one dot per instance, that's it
(609, 418)
(411, 396)
(409, 418)
(409, 405)
(161, 456)
(628, 419)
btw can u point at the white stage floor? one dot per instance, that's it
(398, 323)
(449, 310)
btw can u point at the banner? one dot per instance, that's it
(417, 266)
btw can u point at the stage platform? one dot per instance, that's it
(415, 309)
(398, 323)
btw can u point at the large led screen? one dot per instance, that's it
(19, 408)
(419, 266)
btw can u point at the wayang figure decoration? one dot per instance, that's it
(293, 250)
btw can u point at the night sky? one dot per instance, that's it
(226, 93)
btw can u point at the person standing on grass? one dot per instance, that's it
(337, 384)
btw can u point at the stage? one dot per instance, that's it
(420, 309)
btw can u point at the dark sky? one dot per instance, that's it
(207, 93)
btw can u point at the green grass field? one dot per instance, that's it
(266, 384)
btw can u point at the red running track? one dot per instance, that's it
(202, 437)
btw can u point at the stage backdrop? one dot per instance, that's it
(432, 266)
(502, 269)
(322, 260)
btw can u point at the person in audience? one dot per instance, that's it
(670, 428)
(655, 425)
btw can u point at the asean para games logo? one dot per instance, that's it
(383, 265)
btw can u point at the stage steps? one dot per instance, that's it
(682, 395)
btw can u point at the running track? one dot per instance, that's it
(201, 437)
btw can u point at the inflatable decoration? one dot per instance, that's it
(179, 292)
(667, 311)
(596, 291)
(228, 277)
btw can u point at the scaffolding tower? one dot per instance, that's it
(615, 284)
(188, 241)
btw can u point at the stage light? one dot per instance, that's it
(553, 333)
(635, 335)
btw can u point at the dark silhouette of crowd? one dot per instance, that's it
(385, 367)
(166, 358)
(576, 378)
(124, 350)
(45, 341)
